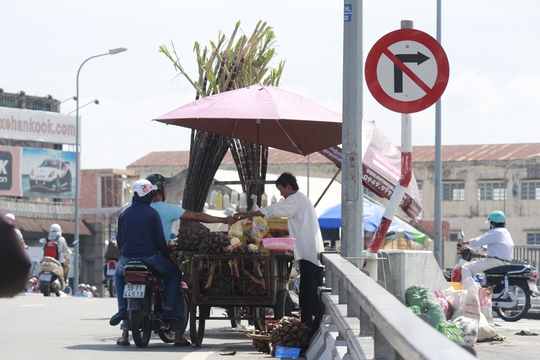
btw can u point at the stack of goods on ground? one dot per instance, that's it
(289, 332)
(463, 316)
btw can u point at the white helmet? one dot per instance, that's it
(55, 231)
(55, 228)
(143, 187)
(10, 218)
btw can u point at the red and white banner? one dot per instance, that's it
(381, 169)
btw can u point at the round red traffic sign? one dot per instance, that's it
(407, 71)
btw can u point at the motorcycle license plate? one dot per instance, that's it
(45, 277)
(134, 291)
(532, 286)
(110, 272)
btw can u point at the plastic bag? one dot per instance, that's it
(259, 229)
(421, 296)
(415, 309)
(447, 307)
(469, 329)
(485, 306)
(236, 230)
(469, 304)
(485, 330)
(451, 331)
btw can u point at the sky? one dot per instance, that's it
(492, 46)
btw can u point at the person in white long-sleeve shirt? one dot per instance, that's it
(304, 227)
(499, 243)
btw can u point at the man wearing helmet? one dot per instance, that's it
(170, 213)
(140, 237)
(55, 235)
(499, 244)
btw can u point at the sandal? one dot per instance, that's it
(122, 343)
(183, 343)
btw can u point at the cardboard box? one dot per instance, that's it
(278, 223)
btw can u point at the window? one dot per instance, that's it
(491, 190)
(533, 239)
(454, 191)
(455, 236)
(530, 190)
(419, 183)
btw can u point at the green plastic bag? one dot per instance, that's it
(415, 309)
(451, 331)
(420, 296)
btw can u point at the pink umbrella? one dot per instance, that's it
(264, 115)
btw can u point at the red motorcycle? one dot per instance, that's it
(145, 291)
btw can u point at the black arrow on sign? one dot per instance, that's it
(417, 58)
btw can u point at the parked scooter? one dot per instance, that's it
(512, 285)
(50, 275)
(145, 292)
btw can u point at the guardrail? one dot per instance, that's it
(527, 254)
(373, 314)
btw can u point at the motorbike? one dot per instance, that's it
(512, 285)
(50, 275)
(110, 270)
(145, 292)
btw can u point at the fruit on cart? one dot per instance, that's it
(214, 243)
(190, 236)
(291, 332)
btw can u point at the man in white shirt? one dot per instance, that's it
(499, 244)
(304, 227)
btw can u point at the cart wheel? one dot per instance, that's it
(196, 323)
(283, 304)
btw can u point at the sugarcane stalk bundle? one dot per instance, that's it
(290, 332)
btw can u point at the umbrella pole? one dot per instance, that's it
(257, 155)
(325, 190)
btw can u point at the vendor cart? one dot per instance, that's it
(251, 281)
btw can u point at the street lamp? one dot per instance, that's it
(78, 166)
(506, 172)
(95, 101)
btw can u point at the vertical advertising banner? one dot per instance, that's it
(29, 172)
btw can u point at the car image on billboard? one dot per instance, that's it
(51, 175)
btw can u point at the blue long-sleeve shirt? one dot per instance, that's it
(140, 232)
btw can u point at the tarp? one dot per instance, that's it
(399, 229)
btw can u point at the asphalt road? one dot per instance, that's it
(61, 328)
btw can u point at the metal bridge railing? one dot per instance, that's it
(372, 312)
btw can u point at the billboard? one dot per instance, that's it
(29, 172)
(34, 125)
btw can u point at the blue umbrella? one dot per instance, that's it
(331, 219)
